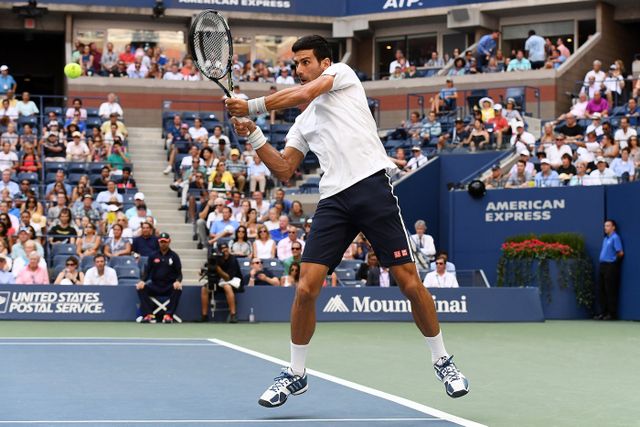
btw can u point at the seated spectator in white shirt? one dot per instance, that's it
(284, 77)
(284, 246)
(6, 110)
(273, 222)
(100, 273)
(417, 160)
(111, 106)
(603, 175)
(8, 184)
(214, 142)
(10, 136)
(104, 197)
(78, 150)
(174, 73)
(595, 125)
(198, 133)
(8, 158)
(440, 278)
(625, 132)
(19, 263)
(26, 107)
(258, 174)
(424, 242)
(554, 152)
(521, 138)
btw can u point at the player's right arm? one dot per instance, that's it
(282, 165)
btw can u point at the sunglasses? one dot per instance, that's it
(70, 264)
(262, 231)
(439, 263)
(256, 262)
(296, 249)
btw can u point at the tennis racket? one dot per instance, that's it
(211, 46)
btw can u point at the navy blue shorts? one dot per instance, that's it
(368, 206)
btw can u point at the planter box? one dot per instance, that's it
(557, 302)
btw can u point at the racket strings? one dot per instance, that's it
(211, 46)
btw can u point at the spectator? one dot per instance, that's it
(221, 149)
(32, 273)
(578, 110)
(555, 60)
(455, 138)
(297, 216)
(510, 112)
(459, 68)
(435, 61)
(6, 277)
(424, 242)
(284, 78)
(198, 133)
(126, 181)
(499, 124)
(624, 167)
(596, 76)
(610, 148)
(493, 66)
(7, 82)
(223, 228)
(564, 51)
(8, 114)
(118, 158)
(625, 132)
(292, 277)
(258, 173)
(535, 47)
(285, 245)
(556, 151)
(519, 177)
(611, 255)
(100, 273)
(63, 231)
(397, 74)
(173, 73)
(400, 61)
(520, 63)
(109, 107)
(137, 70)
(478, 137)
(11, 136)
(417, 160)
(30, 162)
(295, 258)
(26, 107)
(8, 158)
(78, 150)
(602, 175)
(117, 245)
(237, 169)
(113, 120)
(440, 278)
(76, 107)
(495, 180)
(597, 104)
(146, 243)
(70, 275)
(371, 273)
(486, 48)
(581, 176)
(566, 170)
(547, 177)
(572, 129)
(282, 230)
(260, 275)
(89, 244)
(104, 197)
(522, 138)
(264, 247)
(431, 129)
(240, 246)
(7, 184)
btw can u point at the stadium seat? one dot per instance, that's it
(345, 275)
(54, 167)
(93, 122)
(190, 115)
(128, 282)
(28, 120)
(32, 177)
(350, 264)
(57, 110)
(59, 261)
(96, 167)
(119, 261)
(127, 272)
(92, 112)
(78, 167)
(74, 178)
(208, 115)
(518, 94)
(475, 96)
(66, 249)
(86, 262)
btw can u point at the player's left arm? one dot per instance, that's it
(286, 98)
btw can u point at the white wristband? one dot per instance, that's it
(257, 139)
(257, 106)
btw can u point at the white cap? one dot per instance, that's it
(524, 152)
(497, 107)
(113, 208)
(600, 159)
(138, 196)
(596, 115)
(545, 161)
(518, 124)
(4, 68)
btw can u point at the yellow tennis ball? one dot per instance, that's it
(72, 70)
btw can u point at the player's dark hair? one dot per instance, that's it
(319, 44)
(615, 226)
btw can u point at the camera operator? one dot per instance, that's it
(223, 272)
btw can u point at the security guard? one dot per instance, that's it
(163, 277)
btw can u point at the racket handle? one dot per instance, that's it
(240, 119)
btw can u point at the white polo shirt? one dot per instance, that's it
(339, 128)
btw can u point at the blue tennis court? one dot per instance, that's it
(179, 382)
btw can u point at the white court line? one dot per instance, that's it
(270, 421)
(364, 389)
(101, 338)
(107, 344)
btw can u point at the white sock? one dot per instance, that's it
(298, 357)
(436, 344)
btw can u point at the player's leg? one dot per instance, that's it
(383, 225)
(231, 301)
(331, 233)
(205, 294)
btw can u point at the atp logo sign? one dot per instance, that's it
(335, 305)
(5, 297)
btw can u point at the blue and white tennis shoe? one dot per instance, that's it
(455, 384)
(285, 384)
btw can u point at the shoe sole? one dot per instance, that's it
(458, 394)
(267, 404)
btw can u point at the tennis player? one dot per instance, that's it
(355, 196)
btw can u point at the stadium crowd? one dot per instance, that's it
(147, 62)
